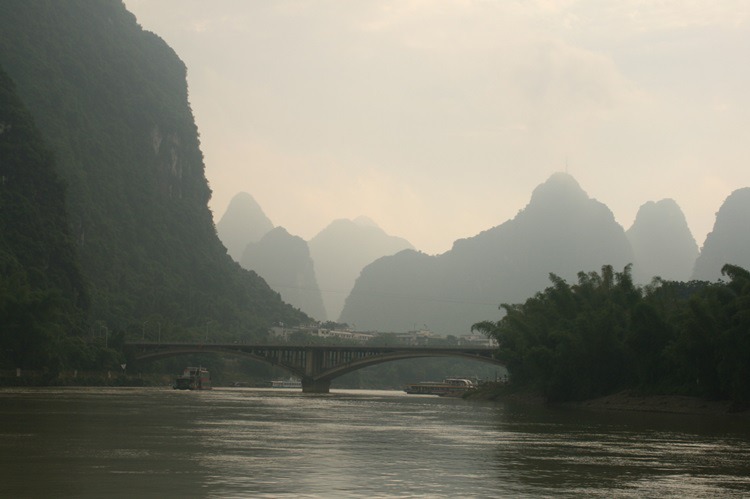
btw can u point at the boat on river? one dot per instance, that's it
(449, 387)
(193, 378)
(286, 383)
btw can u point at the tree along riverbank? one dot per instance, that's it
(604, 335)
(28, 378)
(626, 400)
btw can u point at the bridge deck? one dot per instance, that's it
(340, 348)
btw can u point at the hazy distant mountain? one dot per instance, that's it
(341, 250)
(243, 223)
(561, 230)
(283, 260)
(729, 241)
(662, 243)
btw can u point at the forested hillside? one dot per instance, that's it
(43, 300)
(604, 334)
(111, 101)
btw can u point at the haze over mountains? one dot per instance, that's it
(662, 243)
(729, 241)
(243, 223)
(283, 260)
(342, 250)
(315, 276)
(561, 230)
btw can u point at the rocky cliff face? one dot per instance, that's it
(111, 101)
(560, 231)
(662, 243)
(341, 251)
(729, 241)
(283, 260)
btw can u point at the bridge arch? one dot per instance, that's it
(337, 371)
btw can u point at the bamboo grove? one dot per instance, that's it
(604, 334)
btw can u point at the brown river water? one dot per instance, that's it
(239, 442)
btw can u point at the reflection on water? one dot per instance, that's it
(93, 442)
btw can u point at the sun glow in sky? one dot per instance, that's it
(438, 118)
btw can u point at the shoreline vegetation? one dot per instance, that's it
(666, 343)
(623, 401)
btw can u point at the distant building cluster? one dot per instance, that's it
(477, 340)
(420, 337)
(344, 335)
(287, 333)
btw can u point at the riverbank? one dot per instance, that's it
(75, 378)
(626, 400)
(629, 400)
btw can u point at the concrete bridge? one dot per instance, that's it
(315, 365)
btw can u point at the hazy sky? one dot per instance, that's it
(438, 118)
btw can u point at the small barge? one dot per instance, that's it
(449, 387)
(286, 383)
(193, 378)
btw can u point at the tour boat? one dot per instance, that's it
(449, 387)
(193, 378)
(286, 383)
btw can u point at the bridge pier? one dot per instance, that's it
(310, 385)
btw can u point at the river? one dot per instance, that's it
(238, 442)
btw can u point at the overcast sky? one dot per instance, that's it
(438, 118)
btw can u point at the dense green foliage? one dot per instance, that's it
(603, 334)
(42, 296)
(110, 100)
